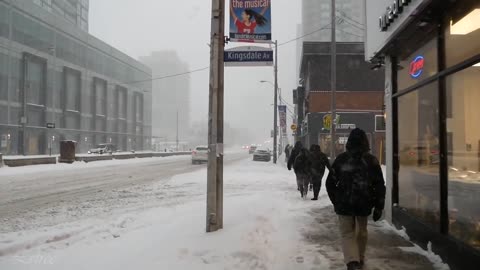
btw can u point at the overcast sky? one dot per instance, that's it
(138, 27)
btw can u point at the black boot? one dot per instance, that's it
(353, 266)
(314, 199)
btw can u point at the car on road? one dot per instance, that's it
(252, 149)
(200, 155)
(262, 154)
(103, 148)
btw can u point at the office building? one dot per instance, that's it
(52, 73)
(431, 54)
(73, 11)
(171, 96)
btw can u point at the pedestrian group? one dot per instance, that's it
(354, 184)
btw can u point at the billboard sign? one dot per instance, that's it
(250, 21)
(248, 56)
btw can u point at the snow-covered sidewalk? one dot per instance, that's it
(266, 226)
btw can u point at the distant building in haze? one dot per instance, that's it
(74, 11)
(316, 15)
(170, 95)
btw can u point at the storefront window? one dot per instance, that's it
(462, 35)
(418, 66)
(418, 146)
(464, 155)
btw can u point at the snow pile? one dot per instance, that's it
(437, 262)
(8, 171)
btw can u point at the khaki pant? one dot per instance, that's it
(353, 231)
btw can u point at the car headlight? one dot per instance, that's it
(89, 152)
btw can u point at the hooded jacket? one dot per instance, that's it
(319, 161)
(355, 184)
(293, 155)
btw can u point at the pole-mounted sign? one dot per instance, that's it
(248, 56)
(250, 21)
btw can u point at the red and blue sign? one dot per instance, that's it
(416, 67)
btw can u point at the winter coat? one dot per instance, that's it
(287, 150)
(303, 163)
(319, 162)
(293, 154)
(355, 184)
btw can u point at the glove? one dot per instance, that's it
(377, 214)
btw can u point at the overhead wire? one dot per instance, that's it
(349, 18)
(204, 68)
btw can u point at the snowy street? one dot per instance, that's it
(45, 195)
(150, 214)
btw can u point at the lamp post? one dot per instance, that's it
(275, 108)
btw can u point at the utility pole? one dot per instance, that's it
(281, 129)
(214, 219)
(275, 96)
(177, 133)
(333, 83)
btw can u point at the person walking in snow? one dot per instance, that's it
(287, 152)
(319, 162)
(301, 162)
(355, 185)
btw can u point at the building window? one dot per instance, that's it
(122, 103)
(139, 108)
(4, 70)
(35, 81)
(4, 24)
(462, 34)
(464, 155)
(418, 146)
(101, 97)
(72, 89)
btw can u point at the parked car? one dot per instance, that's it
(200, 155)
(252, 149)
(262, 154)
(103, 148)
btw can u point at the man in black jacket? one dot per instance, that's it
(301, 162)
(319, 163)
(355, 186)
(293, 154)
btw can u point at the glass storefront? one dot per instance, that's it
(464, 155)
(418, 151)
(438, 135)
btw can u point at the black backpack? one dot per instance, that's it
(354, 183)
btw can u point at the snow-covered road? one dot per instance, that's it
(161, 225)
(45, 195)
